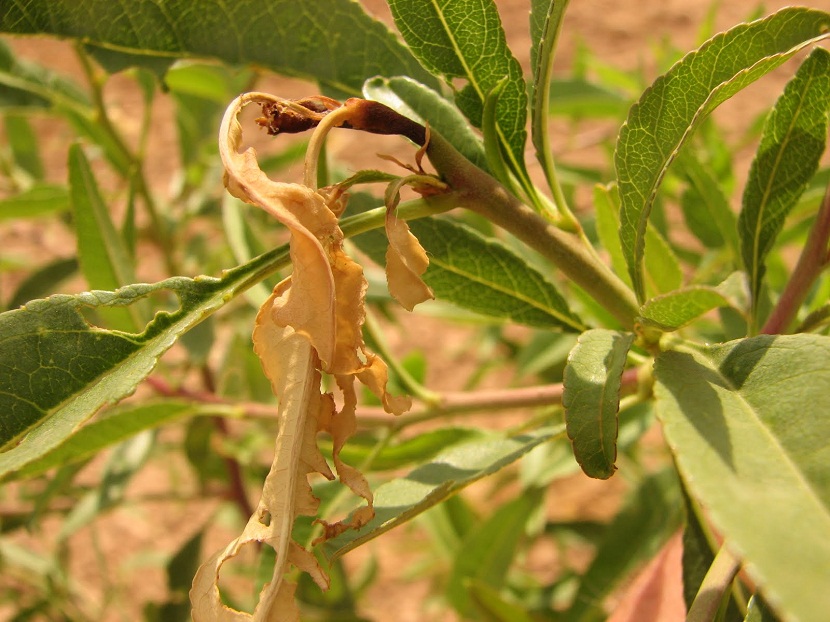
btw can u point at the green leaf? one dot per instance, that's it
(26, 85)
(416, 449)
(42, 199)
(794, 138)
(592, 398)
(649, 517)
(116, 61)
(124, 461)
(663, 273)
(420, 103)
(43, 281)
(493, 606)
(333, 42)
(746, 423)
(116, 426)
(402, 499)
(678, 101)
(57, 370)
(581, 98)
(607, 209)
(481, 274)
(488, 550)
(103, 257)
(545, 23)
(676, 309)
(464, 39)
(23, 144)
(716, 218)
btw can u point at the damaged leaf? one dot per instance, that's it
(309, 325)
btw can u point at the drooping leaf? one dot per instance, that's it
(651, 514)
(422, 104)
(678, 101)
(488, 550)
(746, 423)
(464, 39)
(290, 362)
(402, 499)
(57, 369)
(316, 40)
(794, 138)
(592, 398)
(481, 274)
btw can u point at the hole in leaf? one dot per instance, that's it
(265, 518)
(242, 577)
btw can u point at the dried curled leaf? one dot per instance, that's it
(311, 323)
(406, 259)
(291, 364)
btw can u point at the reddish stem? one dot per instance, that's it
(813, 260)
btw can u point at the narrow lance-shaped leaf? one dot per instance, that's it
(488, 550)
(102, 255)
(334, 42)
(404, 498)
(678, 101)
(26, 85)
(592, 398)
(481, 274)
(464, 39)
(717, 219)
(546, 18)
(746, 423)
(58, 369)
(793, 141)
(662, 268)
(676, 309)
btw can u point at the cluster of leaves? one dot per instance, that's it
(704, 328)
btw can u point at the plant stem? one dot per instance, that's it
(814, 258)
(480, 193)
(714, 586)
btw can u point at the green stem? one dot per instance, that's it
(408, 383)
(541, 95)
(714, 587)
(480, 193)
